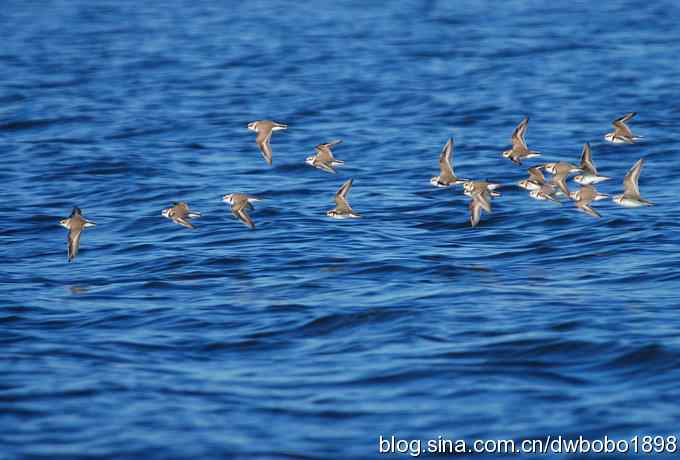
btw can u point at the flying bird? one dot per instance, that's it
(180, 214)
(264, 129)
(631, 192)
(240, 203)
(342, 208)
(519, 150)
(75, 225)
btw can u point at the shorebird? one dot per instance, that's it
(519, 150)
(631, 192)
(75, 225)
(480, 193)
(560, 171)
(535, 180)
(342, 208)
(324, 158)
(446, 175)
(589, 175)
(180, 214)
(586, 195)
(264, 129)
(240, 203)
(622, 133)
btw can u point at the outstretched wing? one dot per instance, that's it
(242, 215)
(518, 142)
(263, 142)
(587, 164)
(620, 127)
(536, 175)
(475, 211)
(73, 243)
(445, 161)
(630, 182)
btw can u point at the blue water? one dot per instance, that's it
(310, 337)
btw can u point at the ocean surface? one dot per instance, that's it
(309, 338)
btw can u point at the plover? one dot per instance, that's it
(446, 175)
(589, 175)
(631, 192)
(324, 158)
(544, 192)
(519, 150)
(75, 225)
(342, 208)
(622, 133)
(180, 214)
(535, 180)
(240, 203)
(264, 129)
(480, 193)
(586, 195)
(560, 171)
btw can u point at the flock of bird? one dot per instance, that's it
(480, 192)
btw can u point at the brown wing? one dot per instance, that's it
(445, 158)
(518, 142)
(630, 182)
(620, 127)
(181, 209)
(74, 242)
(341, 204)
(560, 180)
(587, 164)
(241, 213)
(324, 151)
(262, 140)
(536, 175)
(475, 212)
(484, 200)
(183, 222)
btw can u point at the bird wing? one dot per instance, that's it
(620, 127)
(263, 142)
(341, 203)
(518, 142)
(587, 164)
(445, 161)
(73, 242)
(630, 182)
(560, 180)
(475, 212)
(536, 175)
(183, 222)
(324, 165)
(484, 200)
(242, 215)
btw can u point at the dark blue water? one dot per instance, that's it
(310, 337)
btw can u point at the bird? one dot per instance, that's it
(544, 192)
(180, 214)
(560, 171)
(535, 180)
(589, 175)
(342, 208)
(75, 224)
(240, 203)
(519, 150)
(586, 195)
(264, 129)
(446, 175)
(324, 158)
(631, 192)
(480, 193)
(622, 133)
